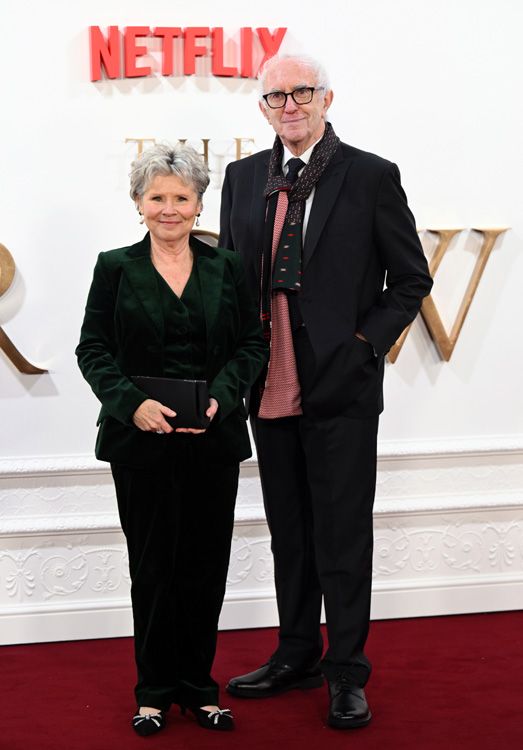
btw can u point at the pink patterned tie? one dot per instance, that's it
(281, 396)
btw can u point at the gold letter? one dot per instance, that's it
(7, 272)
(7, 269)
(140, 142)
(445, 342)
(445, 236)
(239, 143)
(205, 152)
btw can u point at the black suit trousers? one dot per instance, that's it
(318, 478)
(178, 521)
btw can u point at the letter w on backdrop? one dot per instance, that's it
(445, 342)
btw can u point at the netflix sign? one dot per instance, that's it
(142, 51)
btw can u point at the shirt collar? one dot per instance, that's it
(304, 157)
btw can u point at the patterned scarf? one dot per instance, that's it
(322, 154)
(281, 270)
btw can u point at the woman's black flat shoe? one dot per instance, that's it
(221, 720)
(148, 724)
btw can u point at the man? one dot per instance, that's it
(318, 237)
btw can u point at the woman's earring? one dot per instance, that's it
(141, 217)
(197, 220)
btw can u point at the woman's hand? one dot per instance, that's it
(149, 416)
(211, 411)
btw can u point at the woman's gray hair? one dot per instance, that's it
(163, 159)
(320, 74)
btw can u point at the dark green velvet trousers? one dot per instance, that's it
(178, 520)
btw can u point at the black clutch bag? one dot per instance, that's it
(188, 398)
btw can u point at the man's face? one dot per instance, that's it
(298, 125)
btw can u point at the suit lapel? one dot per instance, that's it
(258, 209)
(211, 268)
(141, 275)
(327, 189)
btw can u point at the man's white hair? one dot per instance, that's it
(320, 74)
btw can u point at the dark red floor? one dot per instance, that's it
(448, 682)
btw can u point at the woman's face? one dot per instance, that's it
(169, 207)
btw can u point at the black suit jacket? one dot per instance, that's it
(361, 236)
(122, 335)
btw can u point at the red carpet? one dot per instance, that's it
(445, 682)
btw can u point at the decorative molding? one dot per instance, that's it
(446, 447)
(37, 466)
(76, 494)
(466, 546)
(442, 546)
(57, 526)
(448, 539)
(77, 586)
(253, 515)
(387, 450)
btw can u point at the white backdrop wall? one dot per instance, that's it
(434, 86)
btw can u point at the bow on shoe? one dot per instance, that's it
(146, 724)
(219, 712)
(139, 718)
(219, 718)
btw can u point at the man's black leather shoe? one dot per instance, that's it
(348, 706)
(272, 679)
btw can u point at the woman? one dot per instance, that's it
(173, 307)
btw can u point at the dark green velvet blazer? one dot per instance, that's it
(122, 335)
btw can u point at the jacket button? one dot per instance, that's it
(182, 330)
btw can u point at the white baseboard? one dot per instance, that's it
(40, 624)
(447, 597)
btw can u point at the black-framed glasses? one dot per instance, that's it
(301, 95)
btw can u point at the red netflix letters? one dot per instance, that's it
(198, 41)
